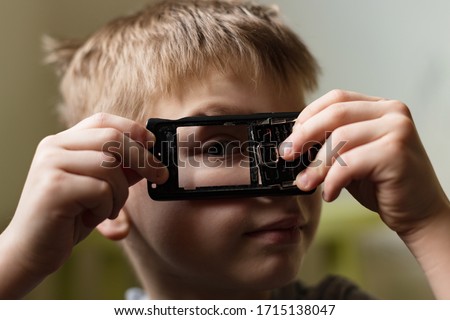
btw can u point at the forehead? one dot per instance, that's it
(219, 94)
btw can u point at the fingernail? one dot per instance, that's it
(286, 149)
(302, 180)
(161, 175)
(325, 196)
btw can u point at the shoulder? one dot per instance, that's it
(330, 288)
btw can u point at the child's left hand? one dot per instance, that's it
(371, 148)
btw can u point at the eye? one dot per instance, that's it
(215, 149)
(221, 148)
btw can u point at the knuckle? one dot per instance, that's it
(345, 161)
(108, 160)
(399, 140)
(401, 108)
(338, 95)
(112, 135)
(52, 182)
(337, 111)
(104, 188)
(46, 157)
(403, 127)
(303, 131)
(48, 141)
(340, 135)
(138, 131)
(304, 112)
(99, 119)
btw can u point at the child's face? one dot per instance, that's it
(233, 244)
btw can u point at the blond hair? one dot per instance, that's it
(136, 59)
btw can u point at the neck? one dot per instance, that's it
(160, 284)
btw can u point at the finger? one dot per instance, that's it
(95, 139)
(316, 129)
(132, 128)
(332, 97)
(361, 163)
(137, 158)
(338, 143)
(92, 197)
(131, 154)
(101, 166)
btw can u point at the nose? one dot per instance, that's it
(286, 203)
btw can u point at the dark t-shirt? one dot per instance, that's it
(330, 288)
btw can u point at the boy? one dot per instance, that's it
(184, 58)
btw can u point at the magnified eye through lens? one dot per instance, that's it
(217, 149)
(210, 156)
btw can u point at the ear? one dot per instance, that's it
(59, 53)
(116, 229)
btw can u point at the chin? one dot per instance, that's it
(274, 272)
(281, 277)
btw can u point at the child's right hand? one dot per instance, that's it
(77, 179)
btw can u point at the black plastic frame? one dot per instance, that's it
(166, 144)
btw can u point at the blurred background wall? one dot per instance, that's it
(395, 49)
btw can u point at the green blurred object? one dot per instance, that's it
(96, 270)
(353, 242)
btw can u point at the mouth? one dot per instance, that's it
(285, 231)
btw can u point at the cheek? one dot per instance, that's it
(183, 228)
(199, 229)
(311, 206)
